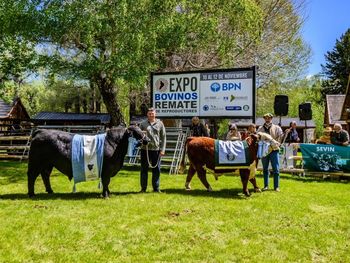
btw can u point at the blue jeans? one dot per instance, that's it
(274, 158)
(153, 158)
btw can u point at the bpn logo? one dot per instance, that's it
(215, 87)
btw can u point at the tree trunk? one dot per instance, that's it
(108, 94)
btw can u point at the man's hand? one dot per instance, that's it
(162, 153)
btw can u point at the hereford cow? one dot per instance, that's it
(52, 148)
(200, 152)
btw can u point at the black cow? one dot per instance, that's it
(52, 148)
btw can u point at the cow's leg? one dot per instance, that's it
(244, 173)
(45, 175)
(191, 172)
(32, 174)
(253, 179)
(256, 187)
(202, 174)
(105, 184)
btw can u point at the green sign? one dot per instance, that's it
(325, 157)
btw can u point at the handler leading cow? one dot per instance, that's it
(52, 148)
(201, 154)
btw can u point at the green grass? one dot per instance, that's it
(308, 221)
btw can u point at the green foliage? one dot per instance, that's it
(115, 45)
(17, 59)
(337, 67)
(306, 222)
(305, 90)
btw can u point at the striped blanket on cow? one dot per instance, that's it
(87, 157)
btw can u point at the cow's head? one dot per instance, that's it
(139, 135)
(252, 139)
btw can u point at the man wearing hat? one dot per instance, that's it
(276, 133)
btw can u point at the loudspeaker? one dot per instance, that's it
(305, 111)
(281, 105)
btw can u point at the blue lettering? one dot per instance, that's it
(234, 86)
(176, 96)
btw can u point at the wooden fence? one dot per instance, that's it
(15, 144)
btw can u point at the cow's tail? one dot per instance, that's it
(183, 159)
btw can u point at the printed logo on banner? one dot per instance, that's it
(246, 107)
(215, 87)
(205, 107)
(233, 108)
(162, 85)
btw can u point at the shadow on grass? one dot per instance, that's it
(234, 193)
(222, 193)
(309, 179)
(63, 196)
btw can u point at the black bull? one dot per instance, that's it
(52, 148)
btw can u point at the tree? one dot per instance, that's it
(17, 60)
(277, 49)
(337, 67)
(104, 41)
(114, 45)
(303, 90)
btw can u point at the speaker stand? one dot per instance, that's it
(280, 123)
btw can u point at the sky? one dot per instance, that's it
(326, 21)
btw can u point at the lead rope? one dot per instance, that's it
(149, 163)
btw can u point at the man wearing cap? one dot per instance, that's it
(276, 133)
(152, 152)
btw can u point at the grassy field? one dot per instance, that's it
(308, 221)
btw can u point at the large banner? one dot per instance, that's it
(325, 157)
(216, 93)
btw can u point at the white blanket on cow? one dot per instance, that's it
(231, 152)
(87, 157)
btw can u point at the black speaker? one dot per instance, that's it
(281, 105)
(305, 111)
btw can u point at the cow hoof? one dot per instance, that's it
(246, 193)
(210, 189)
(50, 192)
(31, 195)
(187, 186)
(257, 190)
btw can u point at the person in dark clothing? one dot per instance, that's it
(152, 152)
(291, 133)
(198, 129)
(339, 136)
